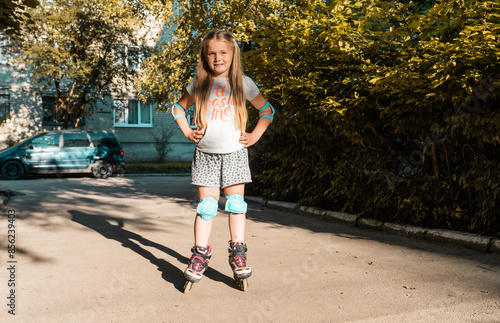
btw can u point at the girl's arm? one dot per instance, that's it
(192, 134)
(248, 139)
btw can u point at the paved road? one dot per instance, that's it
(114, 251)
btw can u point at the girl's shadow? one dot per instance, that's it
(172, 274)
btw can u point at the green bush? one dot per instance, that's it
(390, 112)
(388, 109)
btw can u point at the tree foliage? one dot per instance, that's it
(13, 14)
(83, 50)
(388, 109)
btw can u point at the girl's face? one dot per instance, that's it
(219, 57)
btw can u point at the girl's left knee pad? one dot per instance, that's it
(235, 204)
(207, 208)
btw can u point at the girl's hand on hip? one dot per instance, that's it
(195, 135)
(248, 139)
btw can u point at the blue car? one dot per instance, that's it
(100, 153)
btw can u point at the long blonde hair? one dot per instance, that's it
(204, 80)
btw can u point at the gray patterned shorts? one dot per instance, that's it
(220, 170)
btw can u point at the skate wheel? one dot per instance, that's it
(188, 286)
(244, 284)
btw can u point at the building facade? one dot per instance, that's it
(25, 111)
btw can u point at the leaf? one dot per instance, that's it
(414, 24)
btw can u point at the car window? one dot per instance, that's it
(49, 140)
(104, 139)
(72, 140)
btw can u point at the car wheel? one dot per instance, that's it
(12, 170)
(102, 169)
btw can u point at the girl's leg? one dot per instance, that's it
(236, 221)
(201, 252)
(203, 228)
(237, 246)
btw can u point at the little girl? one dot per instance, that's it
(219, 92)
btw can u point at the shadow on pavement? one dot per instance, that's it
(103, 225)
(52, 195)
(283, 218)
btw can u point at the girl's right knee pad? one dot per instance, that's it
(207, 208)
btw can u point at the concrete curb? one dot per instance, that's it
(152, 174)
(465, 239)
(370, 224)
(4, 199)
(495, 246)
(407, 230)
(345, 218)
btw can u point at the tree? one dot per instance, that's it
(13, 13)
(161, 142)
(83, 51)
(386, 108)
(173, 62)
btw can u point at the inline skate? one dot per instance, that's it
(197, 265)
(238, 262)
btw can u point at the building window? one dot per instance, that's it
(132, 113)
(50, 115)
(5, 58)
(49, 109)
(130, 56)
(5, 108)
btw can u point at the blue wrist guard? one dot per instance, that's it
(189, 114)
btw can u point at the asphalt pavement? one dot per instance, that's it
(87, 250)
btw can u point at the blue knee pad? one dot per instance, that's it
(207, 208)
(235, 204)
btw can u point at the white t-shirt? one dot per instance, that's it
(221, 134)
